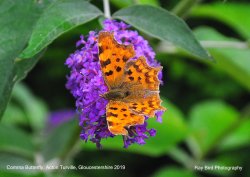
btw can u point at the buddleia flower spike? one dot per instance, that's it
(89, 83)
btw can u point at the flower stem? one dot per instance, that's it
(182, 157)
(106, 8)
(184, 7)
(71, 144)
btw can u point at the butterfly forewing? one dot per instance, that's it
(113, 57)
(147, 105)
(138, 72)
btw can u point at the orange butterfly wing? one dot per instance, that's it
(120, 117)
(135, 76)
(140, 74)
(147, 106)
(113, 57)
(144, 85)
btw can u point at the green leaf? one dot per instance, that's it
(173, 171)
(14, 32)
(126, 3)
(34, 108)
(15, 72)
(234, 61)
(59, 140)
(149, 2)
(12, 160)
(57, 19)
(233, 14)
(238, 138)
(19, 174)
(11, 174)
(14, 115)
(163, 25)
(16, 141)
(210, 122)
(169, 133)
(229, 159)
(122, 4)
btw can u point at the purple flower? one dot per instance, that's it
(86, 84)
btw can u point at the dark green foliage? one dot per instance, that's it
(207, 121)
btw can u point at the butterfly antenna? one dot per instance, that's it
(92, 103)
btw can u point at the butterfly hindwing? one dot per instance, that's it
(119, 116)
(146, 106)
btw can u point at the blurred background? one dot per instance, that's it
(207, 122)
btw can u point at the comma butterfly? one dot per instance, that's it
(133, 86)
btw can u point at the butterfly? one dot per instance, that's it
(133, 85)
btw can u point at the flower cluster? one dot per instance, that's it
(87, 84)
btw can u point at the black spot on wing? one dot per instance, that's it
(129, 72)
(150, 104)
(124, 59)
(110, 123)
(144, 109)
(108, 73)
(137, 68)
(113, 108)
(132, 115)
(100, 50)
(114, 115)
(118, 69)
(105, 63)
(131, 78)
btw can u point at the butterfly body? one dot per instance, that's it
(116, 94)
(133, 86)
